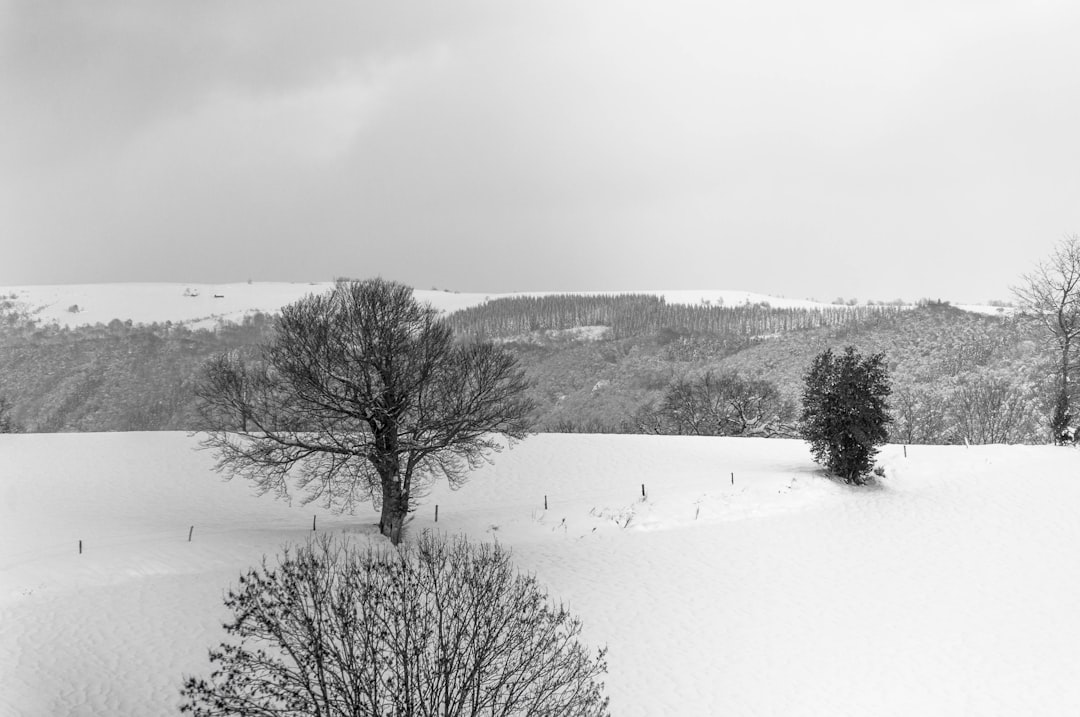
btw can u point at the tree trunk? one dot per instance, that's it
(1066, 346)
(1062, 418)
(395, 506)
(395, 497)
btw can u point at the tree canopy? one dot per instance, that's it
(845, 412)
(362, 394)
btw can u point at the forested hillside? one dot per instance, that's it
(629, 315)
(115, 377)
(958, 376)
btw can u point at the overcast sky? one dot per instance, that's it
(835, 148)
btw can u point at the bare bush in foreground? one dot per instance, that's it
(443, 628)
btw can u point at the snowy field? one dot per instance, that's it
(204, 305)
(951, 588)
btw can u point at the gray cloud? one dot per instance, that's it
(495, 146)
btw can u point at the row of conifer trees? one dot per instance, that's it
(628, 315)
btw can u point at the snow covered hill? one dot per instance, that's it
(203, 305)
(950, 588)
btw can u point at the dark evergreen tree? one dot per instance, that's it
(845, 412)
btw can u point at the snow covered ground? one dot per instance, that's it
(951, 588)
(203, 305)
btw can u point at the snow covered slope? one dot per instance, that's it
(949, 589)
(203, 305)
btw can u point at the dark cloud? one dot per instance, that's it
(496, 146)
(75, 73)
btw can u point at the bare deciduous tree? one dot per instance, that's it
(993, 409)
(362, 394)
(1051, 294)
(442, 629)
(719, 405)
(920, 415)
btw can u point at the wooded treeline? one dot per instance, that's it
(957, 376)
(110, 377)
(628, 315)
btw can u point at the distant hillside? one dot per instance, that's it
(122, 375)
(197, 306)
(958, 376)
(206, 305)
(924, 345)
(115, 377)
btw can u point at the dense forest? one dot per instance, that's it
(114, 377)
(957, 376)
(629, 315)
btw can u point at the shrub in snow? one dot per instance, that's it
(7, 422)
(724, 404)
(845, 412)
(443, 628)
